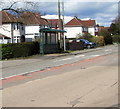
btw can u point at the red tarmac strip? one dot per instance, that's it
(23, 77)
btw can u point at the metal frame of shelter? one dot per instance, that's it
(47, 35)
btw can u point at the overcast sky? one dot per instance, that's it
(103, 11)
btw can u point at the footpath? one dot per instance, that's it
(49, 56)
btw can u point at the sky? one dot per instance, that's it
(103, 11)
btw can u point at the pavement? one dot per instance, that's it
(91, 83)
(74, 52)
(82, 81)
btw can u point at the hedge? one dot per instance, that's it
(16, 50)
(116, 38)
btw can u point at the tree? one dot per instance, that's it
(107, 36)
(19, 7)
(115, 26)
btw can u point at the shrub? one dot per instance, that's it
(86, 36)
(99, 40)
(116, 38)
(16, 50)
(107, 36)
(7, 51)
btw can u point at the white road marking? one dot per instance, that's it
(63, 59)
(98, 48)
(95, 55)
(108, 53)
(79, 56)
(108, 50)
(69, 58)
(20, 74)
(66, 59)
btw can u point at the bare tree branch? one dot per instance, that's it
(12, 5)
(24, 6)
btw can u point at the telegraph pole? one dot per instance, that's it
(61, 22)
(59, 15)
(59, 9)
(59, 25)
(119, 15)
(63, 26)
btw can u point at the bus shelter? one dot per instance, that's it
(49, 40)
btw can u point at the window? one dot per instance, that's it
(22, 28)
(42, 26)
(16, 39)
(14, 27)
(17, 26)
(36, 34)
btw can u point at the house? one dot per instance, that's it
(54, 23)
(11, 30)
(100, 28)
(4, 39)
(91, 25)
(33, 22)
(77, 26)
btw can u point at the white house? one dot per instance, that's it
(33, 22)
(77, 26)
(4, 39)
(11, 30)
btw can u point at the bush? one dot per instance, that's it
(107, 36)
(86, 36)
(16, 50)
(99, 40)
(116, 38)
(6, 51)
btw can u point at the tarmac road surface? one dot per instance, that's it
(23, 66)
(90, 82)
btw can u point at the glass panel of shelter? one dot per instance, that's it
(50, 38)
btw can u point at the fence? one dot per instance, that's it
(75, 46)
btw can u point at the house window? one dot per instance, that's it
(14, 27)
(36, 34)
(17, 26)
(16, 39)
(22, 28)
(42, 26)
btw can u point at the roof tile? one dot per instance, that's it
(77, 22)
(7, 17)
(30, 18)
(74, 22)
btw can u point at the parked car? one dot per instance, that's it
(87, 44)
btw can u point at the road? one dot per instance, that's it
(87, 82)
(23, 66)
